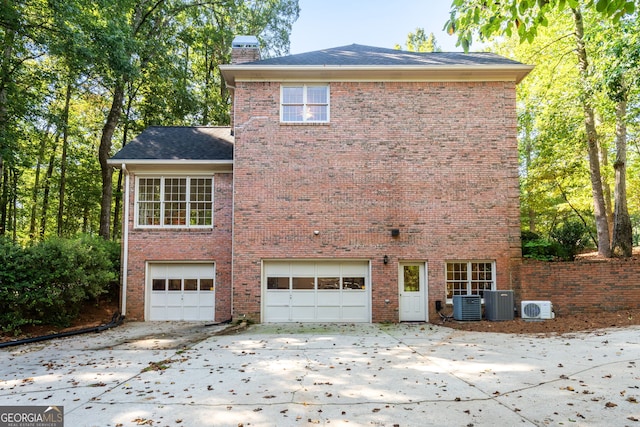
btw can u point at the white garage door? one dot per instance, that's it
(316, 291)
(181, 292)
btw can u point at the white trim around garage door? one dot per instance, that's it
(180, 291)
(316, 291)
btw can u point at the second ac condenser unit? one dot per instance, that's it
(498, 305)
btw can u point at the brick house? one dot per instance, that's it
(364, 185)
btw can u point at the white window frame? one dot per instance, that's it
(469, 280)
(305, 104)
(163, 202)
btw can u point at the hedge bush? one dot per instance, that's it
(563, 244)
(49, 281)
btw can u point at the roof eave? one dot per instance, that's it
(450, 73)
(117, 163)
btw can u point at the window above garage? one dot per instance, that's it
(174, 202)
(304, 103)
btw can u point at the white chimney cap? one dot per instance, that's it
(245, 41)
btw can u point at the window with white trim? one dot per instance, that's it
(174, 202)
(304, 103)
(469, 278)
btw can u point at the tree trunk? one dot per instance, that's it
(600, 213)
(117, 227)
(13, 217)
(4, 201)
(622, 244)
(103, 155)
(36, 185)
(528, 150)
(63, 160)
(606, 188)
(46, 189)
(5, 72)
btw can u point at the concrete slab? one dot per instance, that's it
(183, 374)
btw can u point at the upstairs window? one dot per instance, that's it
(304, 104)
(174, 202)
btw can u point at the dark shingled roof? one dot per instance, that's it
(359, 55)
(179, 143)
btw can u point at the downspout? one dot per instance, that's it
(233, 205)
(232, 119)
(125, 240)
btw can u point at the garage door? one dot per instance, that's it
(322, 291)
(181, 292)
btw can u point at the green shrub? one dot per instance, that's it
(565, 242)
(50, 281)
(572, 237)
(12, 276)
(536, 247)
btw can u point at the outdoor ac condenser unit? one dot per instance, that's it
(498, 305)
(536, 310)
(467, 307)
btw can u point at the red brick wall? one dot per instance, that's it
(213, 245)
(438, 161)
(581, 287)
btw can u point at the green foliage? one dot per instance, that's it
(420, 42)
(572, 237)
(536, 247)
(164, 54)
(564, 243)
(522, 18)
(49, 282)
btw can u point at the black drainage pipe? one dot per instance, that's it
(116, 320)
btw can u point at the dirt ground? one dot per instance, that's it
(559, 325)
(95, 315)
(92, 314)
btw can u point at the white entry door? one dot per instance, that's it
(412, 292)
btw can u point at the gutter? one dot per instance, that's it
(116, 320)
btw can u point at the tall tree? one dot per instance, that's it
(524, 19)
(161, 56)
(593, 145)
(620, 48)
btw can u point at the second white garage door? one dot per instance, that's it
(316, 291)
(181, 291)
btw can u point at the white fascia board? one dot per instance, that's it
(450, 73)
(147, 162)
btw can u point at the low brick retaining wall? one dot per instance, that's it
(583, 286)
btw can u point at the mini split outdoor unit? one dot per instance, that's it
(537, 310)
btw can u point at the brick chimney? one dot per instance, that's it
(245, 49)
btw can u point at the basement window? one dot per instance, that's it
(469, 278)
(304, 103)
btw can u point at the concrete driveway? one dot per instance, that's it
(182, 374)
